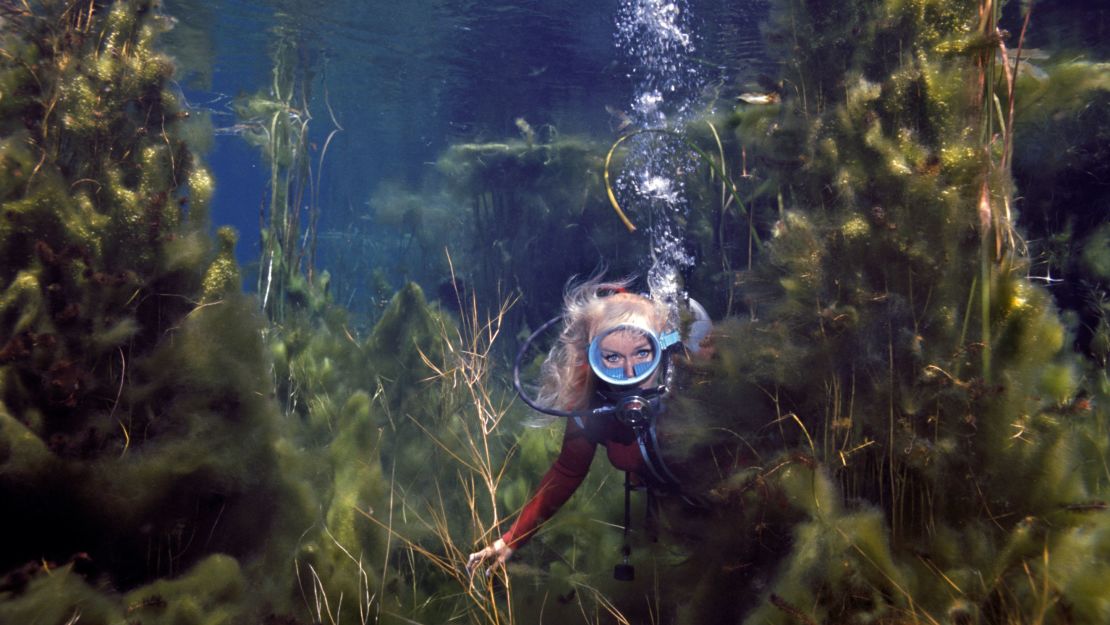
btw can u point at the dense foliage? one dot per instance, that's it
(896, 424)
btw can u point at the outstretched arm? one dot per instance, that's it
(557, 485)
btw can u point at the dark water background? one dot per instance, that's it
(405, 80)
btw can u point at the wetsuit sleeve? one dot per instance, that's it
(557, 485)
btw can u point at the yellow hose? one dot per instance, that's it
(609, 187)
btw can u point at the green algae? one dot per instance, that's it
(867, 467)
(138, 425)
(496, 206)
(881, 268)
(942, 365)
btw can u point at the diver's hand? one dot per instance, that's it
(498, 551)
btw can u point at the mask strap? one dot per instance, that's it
(669, 338)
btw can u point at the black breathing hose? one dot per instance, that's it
(531, 402)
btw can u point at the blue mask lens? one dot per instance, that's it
(640, 370)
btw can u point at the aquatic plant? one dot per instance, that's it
(533, 198)
(729, 234)
(898, 431)
(277, 121)
(138, 437)
(479, 476)
(415, 226)
(938, 451)
(1060, 162)
(466, 428)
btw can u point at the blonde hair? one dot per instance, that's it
(589, 308)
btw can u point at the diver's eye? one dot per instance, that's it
(611, 359)
(643, 354)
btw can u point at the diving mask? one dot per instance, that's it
(628, 354)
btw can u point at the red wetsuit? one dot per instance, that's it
(571, 467)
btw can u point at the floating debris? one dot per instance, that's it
(759, 98)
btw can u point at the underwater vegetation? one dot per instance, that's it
(894, 426)
(277, 122)
(1060, 161)
(942, 457)
(531, 198)
(498, 209)
(138, 427)
(511, 214)
(168, 454)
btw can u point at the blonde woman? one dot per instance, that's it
(608, 376)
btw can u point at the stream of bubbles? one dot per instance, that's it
(655, 36)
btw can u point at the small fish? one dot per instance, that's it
(1025, 68)
(620, 120)
(526, 131)
(759, 98)
(1029, 53)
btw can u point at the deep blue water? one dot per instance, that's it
(407, 79)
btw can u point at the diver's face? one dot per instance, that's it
(625, 349)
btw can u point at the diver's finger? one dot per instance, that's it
(476, 559)
(499, 563)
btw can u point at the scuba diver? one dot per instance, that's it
(608, 376)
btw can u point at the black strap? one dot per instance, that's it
(603, 410)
